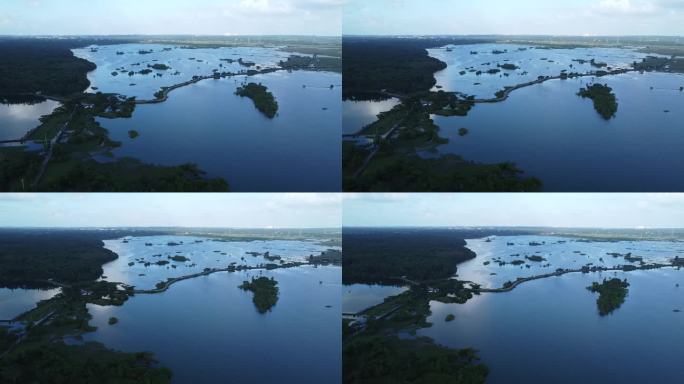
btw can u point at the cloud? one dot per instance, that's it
(282, 7)
(626, 7)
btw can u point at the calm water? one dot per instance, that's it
(202, 252)
(14, 302)
(358, 114)
(17, 119)
(183, 63)
(532, 62)
(559, 252)
(228, 137)
(207, 329)
(550, 331)
(357, 297)
(558, 137)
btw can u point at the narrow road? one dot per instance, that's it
(168, 283)
(522, 280)
(375, 151)
(53, 142)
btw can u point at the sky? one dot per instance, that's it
(194, 17)
(509, 210)
(514, 17)
(171, 210)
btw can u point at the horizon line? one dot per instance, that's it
(505, 226)
(499, 34)
(162, 34)
(157, 227)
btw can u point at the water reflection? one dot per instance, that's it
(549, 331)
(14, 302)
(358, 114)
(207, 329)
(468, 73)
(183, 63)
(357, 297)
(16, 120)
(552, 134)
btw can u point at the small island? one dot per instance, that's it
(604, 99)
(113, 320)
(612, 294)
(263, 99)
(265, 292)
(159, 67)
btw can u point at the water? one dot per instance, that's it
(358, 297)
(202, 252)
(184, 63)
(206, 329)
(16, 120)
(207, 124)
(532, 62)
(559, 252)
(553, 134)
(358, 114)
(550, 331)
(14, 302)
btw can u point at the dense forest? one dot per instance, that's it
(388, 359)
(88, 363)
(29, 65)
(396, 65)
(29, 257)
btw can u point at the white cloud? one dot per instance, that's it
(629, 7)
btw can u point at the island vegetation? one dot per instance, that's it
(612, 294)
(265, 292)
(603, 97)
(264, 100)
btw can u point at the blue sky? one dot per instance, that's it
(548, 17)
(186, 210)
(491, 209)
(204, 17)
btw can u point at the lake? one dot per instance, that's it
(183, 63)
(224, 134)
(531, 61)
(207, 329)
(558, 137)
(16, 120)
(550, 331)
(201, 252)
